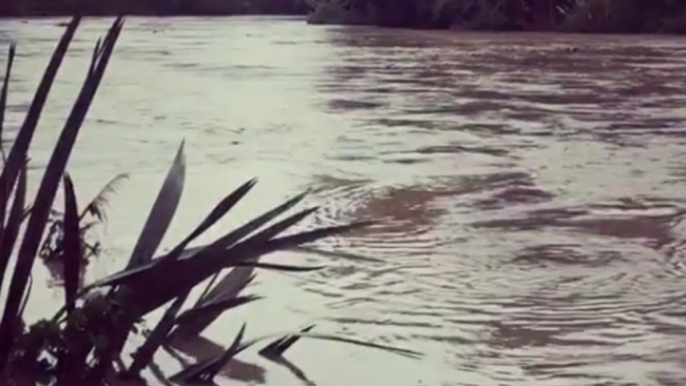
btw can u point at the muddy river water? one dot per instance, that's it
(530, 188)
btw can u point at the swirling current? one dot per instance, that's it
(529, 189)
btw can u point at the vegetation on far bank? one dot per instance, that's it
(599, 16)
(594, 16)
(21, 8)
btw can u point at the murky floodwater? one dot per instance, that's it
(532, 197)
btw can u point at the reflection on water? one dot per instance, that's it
(529, 196)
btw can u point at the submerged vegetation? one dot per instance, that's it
(606, 16)
(85, 341)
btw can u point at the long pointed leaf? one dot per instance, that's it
(167, 265)
(334, 338)
(204, 372)
(145, 353)
(292, 241)
(192, 271)
(280, 226)
(336, 254)
(20, 147)
(217, 213)
(183, 376)
(72, 245)
(96, 54)
(196, 313)
(232, 284)
(46, 193)
(24, 137)
(236, 347)
(3, 97)
(229, 287)
(161, 213)
(295, 370)
(238, 279)
(276, 267)
(14, 221)
(231, 281)
(27, 295)
(244, 230)
(245, 250)
(252, 225)
(137, 273)
(279, 346)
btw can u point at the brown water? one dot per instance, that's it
(532, 197)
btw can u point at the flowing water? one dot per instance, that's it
(530, 187)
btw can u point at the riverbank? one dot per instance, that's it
(35, 8)
(576, 16)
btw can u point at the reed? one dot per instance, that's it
(83, 342)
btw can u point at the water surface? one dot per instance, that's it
(531, 196)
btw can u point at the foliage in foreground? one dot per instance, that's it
(52, 248)
(83, 343)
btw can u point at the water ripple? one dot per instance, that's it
(531, 223)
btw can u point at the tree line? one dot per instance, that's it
(618, 16)
(16, 8)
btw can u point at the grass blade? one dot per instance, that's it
(14, 221)
(72, 245)
(162, 212)
(46, 193)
